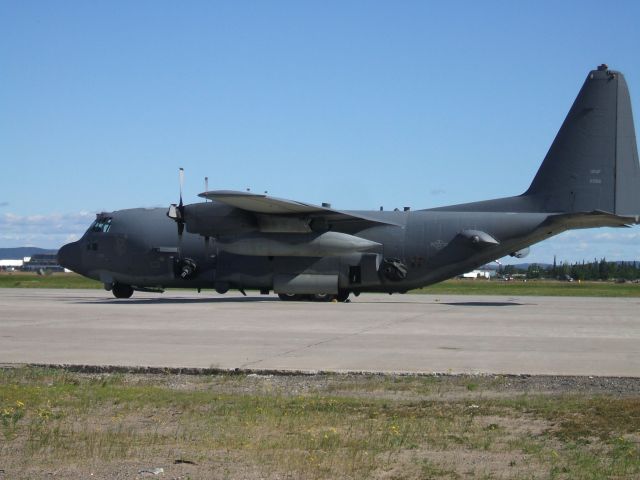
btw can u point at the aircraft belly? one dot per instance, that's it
(440, 245)
(356, 271)
(305, 283)
(243, 271)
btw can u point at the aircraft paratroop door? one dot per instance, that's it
(360, 270)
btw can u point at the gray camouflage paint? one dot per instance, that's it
(589, 178)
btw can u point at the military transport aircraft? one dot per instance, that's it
(241, 240)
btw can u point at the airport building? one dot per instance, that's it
(42, 261)
(486, 274)
(11, 265)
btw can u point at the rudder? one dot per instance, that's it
(592, 164)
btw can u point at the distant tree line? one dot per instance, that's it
(596, 270)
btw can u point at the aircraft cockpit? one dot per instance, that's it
(101, 225)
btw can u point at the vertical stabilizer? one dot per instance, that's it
(593, 161)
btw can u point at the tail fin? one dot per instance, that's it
(593, 161)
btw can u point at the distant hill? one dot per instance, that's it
(19, 253)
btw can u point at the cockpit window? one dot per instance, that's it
(101, 225)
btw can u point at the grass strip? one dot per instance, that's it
(449, 287)
(253, 427)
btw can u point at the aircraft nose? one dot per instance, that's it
(69, 256)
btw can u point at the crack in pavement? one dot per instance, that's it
(380, 325)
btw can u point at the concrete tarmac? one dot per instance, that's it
(374, 333)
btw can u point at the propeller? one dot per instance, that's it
(176, 212)
(185, 266)
(181, 173)
(206, 238)
(181, 206)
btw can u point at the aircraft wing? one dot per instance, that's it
(263, 204)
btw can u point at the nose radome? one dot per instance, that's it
(69, 256)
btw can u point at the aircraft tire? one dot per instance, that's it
(122, 291)
(290, 297)
(321, 297)
(343, 295)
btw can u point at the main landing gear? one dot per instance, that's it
(121, 291)
(342, 296)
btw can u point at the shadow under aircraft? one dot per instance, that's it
(590, 177)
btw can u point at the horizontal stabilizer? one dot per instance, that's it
(591, 220)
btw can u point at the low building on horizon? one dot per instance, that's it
(10, 265)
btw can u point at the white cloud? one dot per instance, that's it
(46, 230)
(578, 245)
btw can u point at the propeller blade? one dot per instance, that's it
(180, 230)
(181, 184)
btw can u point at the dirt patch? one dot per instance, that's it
(58, 423)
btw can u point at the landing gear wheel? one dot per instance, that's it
(343, 296)
(289, 297)
(321, 297)
(121, 291)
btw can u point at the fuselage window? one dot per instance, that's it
(101, 225)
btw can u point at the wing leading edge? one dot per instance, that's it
(262, 204)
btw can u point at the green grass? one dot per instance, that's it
(449, 287)
(533, 287)
(53, 280)
(248, 429)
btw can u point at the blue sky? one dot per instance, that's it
(360, 104)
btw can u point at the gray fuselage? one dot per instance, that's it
(141, 247)
(590, 177)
